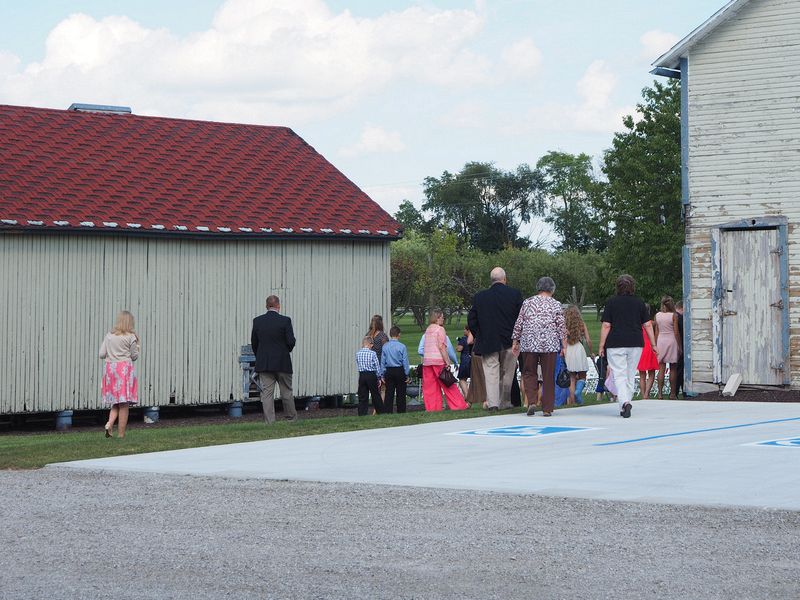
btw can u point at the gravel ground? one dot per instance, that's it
(74, 534)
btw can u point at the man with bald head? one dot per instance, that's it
(491, 320)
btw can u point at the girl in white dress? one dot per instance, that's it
(575, 355)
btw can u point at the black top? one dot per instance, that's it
(272, 340)
(626, 314)
(378, 341)
(492, 316)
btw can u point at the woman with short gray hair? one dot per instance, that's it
(539, 335)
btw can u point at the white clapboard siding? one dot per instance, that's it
(744, 149)
(193, 300)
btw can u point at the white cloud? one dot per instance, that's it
(522, 58)
(391, 196)
(655, 43)
(466, 115)
(8, 64)
(374, 140)
(594, 113)
(266, 61)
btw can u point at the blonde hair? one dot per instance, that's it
(124, 323)
(574, 322)
(435, 314)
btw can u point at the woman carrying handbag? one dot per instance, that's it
(435, 361)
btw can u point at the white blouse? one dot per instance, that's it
(116, 348)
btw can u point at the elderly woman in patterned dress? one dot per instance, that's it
(539, 335)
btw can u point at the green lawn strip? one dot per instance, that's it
(36, 451)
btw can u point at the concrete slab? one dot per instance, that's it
(707, 453)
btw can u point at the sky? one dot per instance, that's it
(389, 91)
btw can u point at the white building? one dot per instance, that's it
(741, 191)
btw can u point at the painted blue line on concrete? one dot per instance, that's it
(668, 435)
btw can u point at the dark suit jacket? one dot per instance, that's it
(492, 316)
(272, 340)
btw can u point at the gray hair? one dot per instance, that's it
(497, 274)
(546, 284)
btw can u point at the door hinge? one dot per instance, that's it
(778, 304)
(729, 313)
(779, 367)
(778, 251)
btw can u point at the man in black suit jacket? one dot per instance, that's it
(491, 320)
(272, 340)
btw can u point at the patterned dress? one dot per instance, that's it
(119, 384)
(540, 326)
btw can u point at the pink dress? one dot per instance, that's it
(119, 384)
(666, 343)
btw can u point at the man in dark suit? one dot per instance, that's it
(272, 340)
(491, 320)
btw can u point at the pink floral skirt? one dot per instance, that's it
(119, 383)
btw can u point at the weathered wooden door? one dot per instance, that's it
(752, 306)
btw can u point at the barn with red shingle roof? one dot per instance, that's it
(190, 225)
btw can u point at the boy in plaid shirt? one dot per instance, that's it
(369, 371)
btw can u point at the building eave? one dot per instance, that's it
(671, 60)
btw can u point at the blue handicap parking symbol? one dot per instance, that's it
(525, 431)
(784, 443)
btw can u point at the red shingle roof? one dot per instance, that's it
(74, 170)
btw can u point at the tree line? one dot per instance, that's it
(624, 217)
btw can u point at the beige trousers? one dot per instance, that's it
(267, 382)
(498, 371)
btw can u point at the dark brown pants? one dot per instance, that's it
(530, 377)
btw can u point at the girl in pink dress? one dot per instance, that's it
(434, 361)
(119, 386)
(668, 344)
(648, 365)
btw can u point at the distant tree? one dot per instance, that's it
(643, 168)
(484, 205)
(410, 218)
(572, 193)
(428, 271)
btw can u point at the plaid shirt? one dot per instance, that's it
(367, 360)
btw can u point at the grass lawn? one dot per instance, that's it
(37, 450)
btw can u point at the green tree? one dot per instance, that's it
(429, 271)
(410, 218)
(572, 192)
(484, 205)
(643, 168)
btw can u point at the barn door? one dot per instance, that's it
(752, 306)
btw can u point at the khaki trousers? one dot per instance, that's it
(498, 371)
(267, 382)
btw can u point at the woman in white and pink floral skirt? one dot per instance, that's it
(119, 387)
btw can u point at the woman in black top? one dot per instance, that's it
(621, 338)
(378, 335)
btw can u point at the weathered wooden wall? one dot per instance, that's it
(193, 301)
(744, 150)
